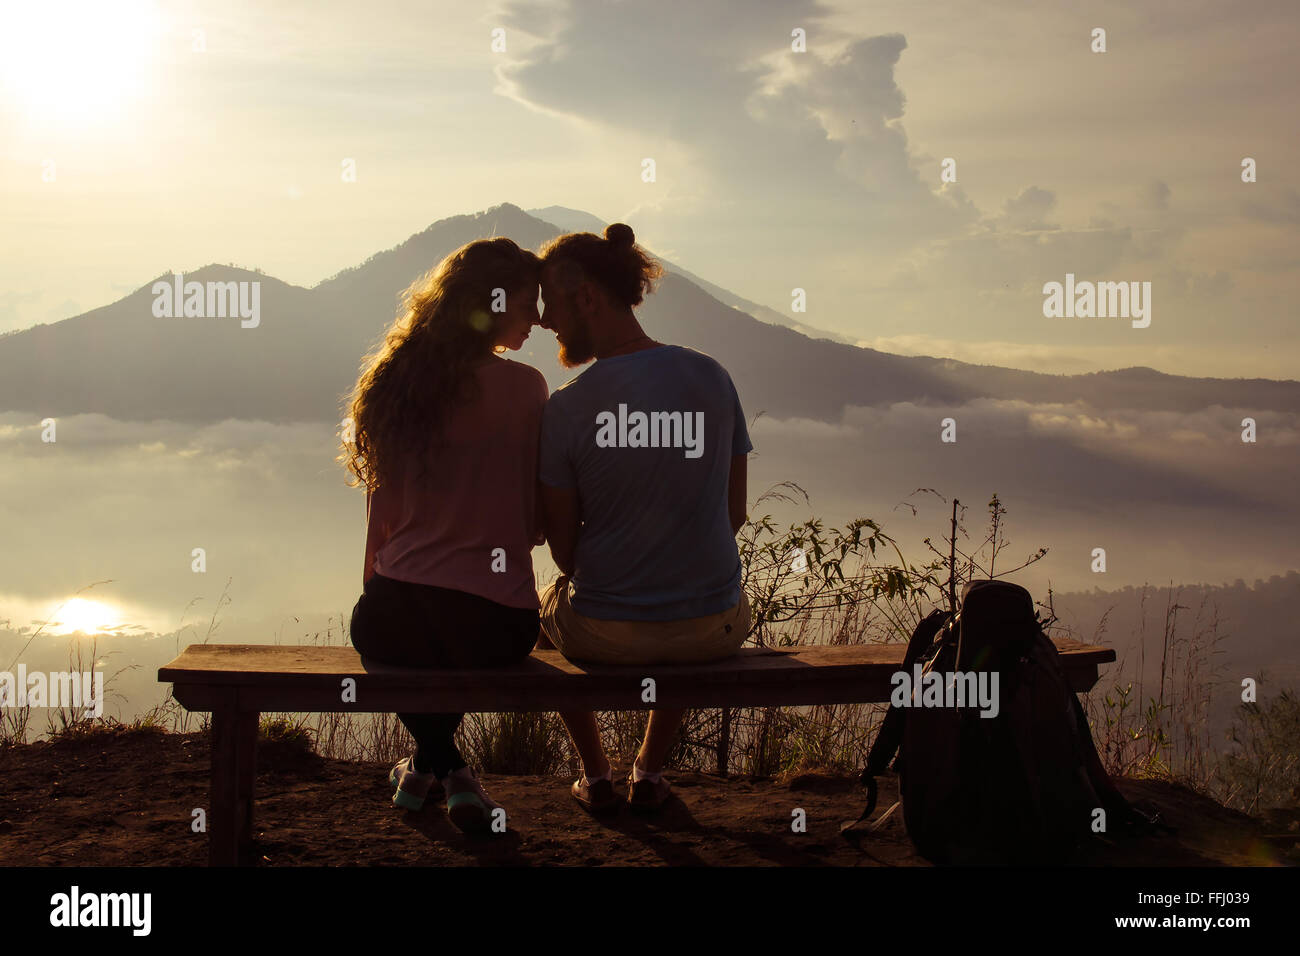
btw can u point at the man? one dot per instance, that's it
(642, 492)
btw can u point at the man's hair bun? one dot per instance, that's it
(614, 261)
(619, 234)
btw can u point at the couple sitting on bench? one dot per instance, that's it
(633, 472)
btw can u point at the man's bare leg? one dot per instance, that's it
(660, 732)
(586, 738)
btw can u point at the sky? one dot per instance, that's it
(143, 136)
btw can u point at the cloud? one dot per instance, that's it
(1208, 360)
(802, 163)
(905, 425)
(10, 300)
(856, 105)
(1028, 211)
(1155, 195)
(241, 448)
(822, 129)
(1196, 285)
(1283, 210)
(1009, 354)
(1100, 472)
(809, 428)
(1013, 421)
(130, 500)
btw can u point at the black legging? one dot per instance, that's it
(419, 625)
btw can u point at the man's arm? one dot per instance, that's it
(737, 491)
(539, 517)
(562, 520)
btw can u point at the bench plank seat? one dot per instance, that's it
(237, 682)
(309, 678)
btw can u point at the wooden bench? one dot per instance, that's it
(237, 682)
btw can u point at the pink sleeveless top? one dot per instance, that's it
(470, 521)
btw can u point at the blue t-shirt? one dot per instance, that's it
(646, 439)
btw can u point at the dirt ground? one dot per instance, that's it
(126, 798)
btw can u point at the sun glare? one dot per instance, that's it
(75, 63)
(89, 617)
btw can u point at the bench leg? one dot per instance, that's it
(247, 735)
(234, 772)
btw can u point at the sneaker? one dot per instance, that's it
(647, 795)
(468, 805)
(412, 788)
(595, 796)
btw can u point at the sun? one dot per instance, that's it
(88, 617)
(74, 63)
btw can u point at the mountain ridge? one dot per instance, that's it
(305, 354)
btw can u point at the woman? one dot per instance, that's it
(446, 445)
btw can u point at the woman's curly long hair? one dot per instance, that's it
(424, 366)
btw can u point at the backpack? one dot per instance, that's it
(1020, 786)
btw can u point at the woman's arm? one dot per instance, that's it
(541, 395)
(377, 532)
(368, 571)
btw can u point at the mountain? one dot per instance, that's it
(304, 355)
(575, 220)
(570, 220)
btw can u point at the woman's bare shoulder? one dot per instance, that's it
(527, 375)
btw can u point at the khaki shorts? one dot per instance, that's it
(689, 640)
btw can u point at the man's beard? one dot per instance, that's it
(577, 348)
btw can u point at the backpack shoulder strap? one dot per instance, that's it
(890, 734)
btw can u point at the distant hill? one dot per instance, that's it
(303, 358)
(1254, 623)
